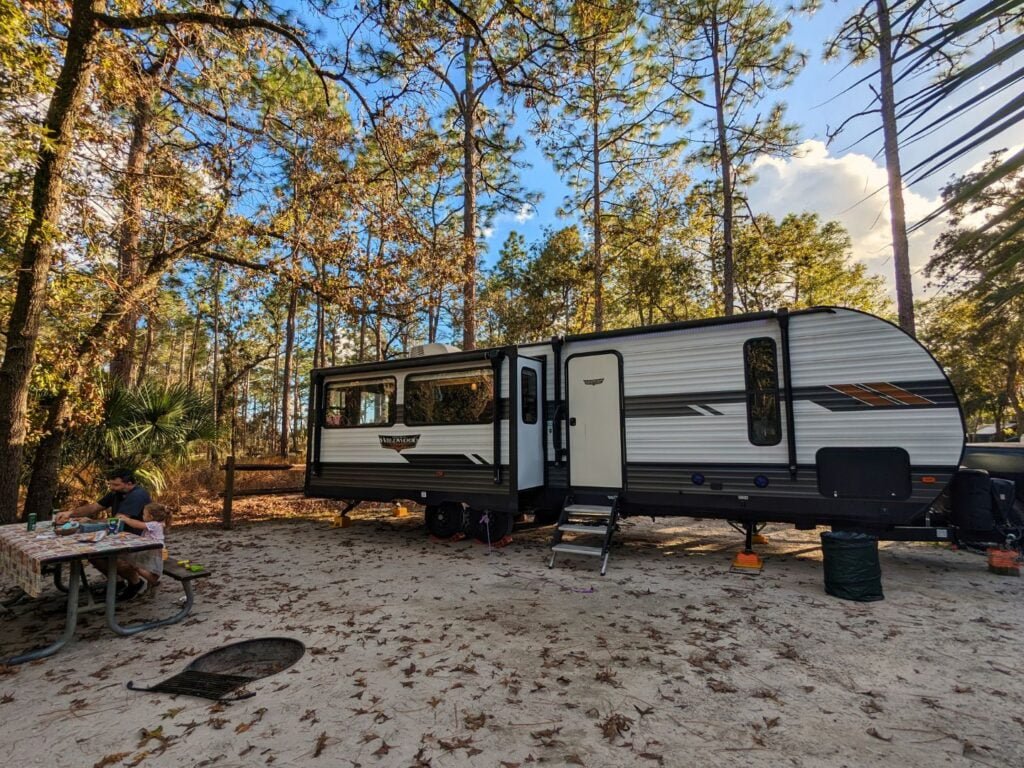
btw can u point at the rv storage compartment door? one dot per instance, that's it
(864, 473)
(530, 425)
(595, 420)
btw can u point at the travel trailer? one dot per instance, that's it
(823, 416)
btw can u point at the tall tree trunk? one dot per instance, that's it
(216, 359)
(147, 350)
(37, 253)
(320, 337)
(897, 215)
(182, 335)
(361, 351)
(274, 441)
(286, 379)
(725, 161)
(433, 316)
(130, 235)
(595, 128)
(295, 408)
(378, 345)
(469, 199)
(245, 414)
(196, 328)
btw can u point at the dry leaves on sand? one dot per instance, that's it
(321, 742)
(117, 757)
(615, 725)
(464, 742)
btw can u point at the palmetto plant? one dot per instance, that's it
(147, 429)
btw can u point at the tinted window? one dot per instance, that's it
(764, 426)
(452, 397)
(528, 395)
(369, 403)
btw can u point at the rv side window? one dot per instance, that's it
(528, 394)
(451, 397)
(369, 403)
(760, 363)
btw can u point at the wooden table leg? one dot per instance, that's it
(70, 622)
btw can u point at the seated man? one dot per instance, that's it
(124, 498)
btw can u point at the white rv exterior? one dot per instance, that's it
(823, 416)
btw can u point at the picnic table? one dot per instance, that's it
(28, 557)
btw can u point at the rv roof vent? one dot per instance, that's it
(423, 350)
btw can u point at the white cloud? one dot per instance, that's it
(526, 213)
(851, 190)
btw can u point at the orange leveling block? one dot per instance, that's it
(1005, 562)
(747, 562)
(400, 511)
(341, 521)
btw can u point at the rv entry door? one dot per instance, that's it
(595, 420)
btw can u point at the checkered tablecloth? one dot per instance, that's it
(24, 553)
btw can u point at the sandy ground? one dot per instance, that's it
(422, 653)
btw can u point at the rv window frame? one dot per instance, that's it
(483, 369)
(524, 373)
(750, 391)
(392, 410)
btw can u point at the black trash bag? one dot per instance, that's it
(852, 570)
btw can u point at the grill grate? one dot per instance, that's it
(207, 685)
(217, 673)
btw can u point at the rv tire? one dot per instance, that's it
(499, 525)
(445, 520)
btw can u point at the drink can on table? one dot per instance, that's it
(31, 521)
(113, 525)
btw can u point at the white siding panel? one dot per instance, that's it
(706, 439)
(930, 436)
(849, 347)
(363, 444)
(708, 359)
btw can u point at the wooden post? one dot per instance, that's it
(229, 489)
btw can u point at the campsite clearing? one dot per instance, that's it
(442, 654)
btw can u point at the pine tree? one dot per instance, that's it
(727, 56)
(603, 117)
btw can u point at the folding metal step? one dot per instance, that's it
(573, 521)
(577, 549)
(600, 530)
(588, 510)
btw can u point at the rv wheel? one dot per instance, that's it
(445, 520)
(489, 525)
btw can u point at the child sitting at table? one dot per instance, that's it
(142, 569)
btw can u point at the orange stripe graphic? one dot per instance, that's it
(864, 395)
(901, 396)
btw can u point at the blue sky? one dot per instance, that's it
(844, 181)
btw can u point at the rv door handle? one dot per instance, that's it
(572, 421)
